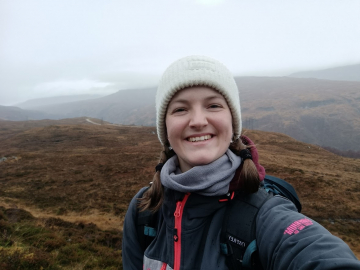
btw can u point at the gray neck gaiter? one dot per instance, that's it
(209, 180)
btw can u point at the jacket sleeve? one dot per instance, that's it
(287, 239)
(132, 254)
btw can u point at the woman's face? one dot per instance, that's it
(199, 126)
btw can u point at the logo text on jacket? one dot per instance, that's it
(297, 226)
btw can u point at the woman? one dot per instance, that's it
(205, 159)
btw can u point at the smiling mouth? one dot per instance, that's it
(199, 139)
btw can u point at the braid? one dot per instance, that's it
(153, 197)
(249, 175)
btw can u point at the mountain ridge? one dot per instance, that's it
(316, 111)
(343, 73)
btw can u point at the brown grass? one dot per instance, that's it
(83, 173)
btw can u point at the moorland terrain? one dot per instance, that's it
(65, 186)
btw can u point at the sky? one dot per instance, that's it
(67, 47)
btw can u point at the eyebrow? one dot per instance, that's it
(207, 98)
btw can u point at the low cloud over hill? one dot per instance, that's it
(40, 102)
(344, 73)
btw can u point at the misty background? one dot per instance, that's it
(54, 48)
(296, 64)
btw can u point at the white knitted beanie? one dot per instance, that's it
(196, 70)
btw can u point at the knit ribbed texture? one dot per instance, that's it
(212, 179)
(196, 71)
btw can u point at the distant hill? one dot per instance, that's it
(14, 125)
(321, 112)
(133, 106)
(17, 114)
(315, 111)
(344, 73)
(43, 102)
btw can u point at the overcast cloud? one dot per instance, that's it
(62, 47)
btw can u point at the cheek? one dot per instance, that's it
(170, 127)
(227, 125)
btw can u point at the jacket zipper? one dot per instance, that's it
(163, 267)
(177, 231)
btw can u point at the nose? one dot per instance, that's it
(198, 119)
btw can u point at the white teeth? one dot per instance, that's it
(201, 138)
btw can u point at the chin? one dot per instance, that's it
(203, 161)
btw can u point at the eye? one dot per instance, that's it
(177, 110)
(215, 106)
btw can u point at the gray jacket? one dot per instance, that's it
(286, 239)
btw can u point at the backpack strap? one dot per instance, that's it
(281, 187)
(146, 223)
(238, 241)
(238, 232)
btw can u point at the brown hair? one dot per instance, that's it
(249, 175)
(153, 197)
(249, 178)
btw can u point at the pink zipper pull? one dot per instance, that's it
(178, 209)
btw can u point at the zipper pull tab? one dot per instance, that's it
(178, 208)
(176, 237)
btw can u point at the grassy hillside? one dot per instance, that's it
(65, 187)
